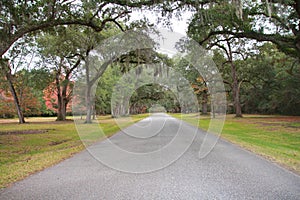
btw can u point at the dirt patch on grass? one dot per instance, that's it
(285, 119)
(289, 123)
(68, 121)
(24, 132)
(57, 142)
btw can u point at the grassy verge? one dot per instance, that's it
(42, 142)
(274, 137)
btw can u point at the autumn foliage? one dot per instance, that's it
(50, 97)
(29, 102)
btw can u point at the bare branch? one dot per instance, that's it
(98, 10)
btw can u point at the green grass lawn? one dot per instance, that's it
(43, 142)
(274, 137)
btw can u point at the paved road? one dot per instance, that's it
(228, 172)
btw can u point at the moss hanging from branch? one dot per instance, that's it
(238, 4)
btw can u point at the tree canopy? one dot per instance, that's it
(274, 21)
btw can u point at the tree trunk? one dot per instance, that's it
(235, 85)
(204, 102)
(64, 101)
(236, 93)
(94, 111)
(61, 114)
(238, 107)
(15, 96)
(88, 100)
(213, 110)
(61, 109)
(16, 99)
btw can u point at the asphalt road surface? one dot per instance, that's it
(228, 172)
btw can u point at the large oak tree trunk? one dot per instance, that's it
(236, 93)
(235, 85)
(204, 102)
(62, 112)
(94, 112)
(62, 87)
(89, 109)
(238, 107)
(61, 109)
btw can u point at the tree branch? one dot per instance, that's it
(286, 44)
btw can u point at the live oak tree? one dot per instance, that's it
(232, 76)
(61, 51)
(276, 21)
